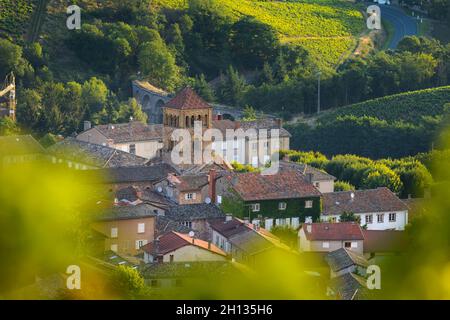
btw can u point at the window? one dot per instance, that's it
(325, 245)
(189, 196)
(255, 146)
(141, 227)
(187, 224)
(114, 247)
(282, 206)
(347, 244)
(140, 243)
(308, 204)
(354, 245)
(171, 258)
(317, 184)
(132, 149)
(369, 218)
(114, 232)
(380, 218)
(154, 283)
(255, 207)
(392, 217)
(219, 199)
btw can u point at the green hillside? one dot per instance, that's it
(15, 17)
(409, 107)
(326, 28)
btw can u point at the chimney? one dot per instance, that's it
(209, 245)
(246, 221)
(86, 125)
(278, 122)
(228, 217)
(155, 252)
(309, 228)
(352, 196)
(138, 192)
(212, 185)
(286, 157)
(237, 124)
(219, 117)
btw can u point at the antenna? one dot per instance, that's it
(191, 234)
(207, 200)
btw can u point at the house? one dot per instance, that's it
(195, 217)
(284, 198)
(323, 181)
(377, 209)
(342, 261)
(246, 243)
(142, 176)
(80, 155)
(127, 228)
(179, 247)
(185, 189)
(326, 237)
(20, 149)
(381, 244)
(132, 195)
(133, 137)
(349, 286)
(248, 148)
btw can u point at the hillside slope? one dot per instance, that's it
(326, 28)
(408, 107)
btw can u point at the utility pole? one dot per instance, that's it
(318, 91)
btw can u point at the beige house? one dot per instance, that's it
(327, 237)
(127, 228)
(321, 180)
(177, 247)
(185, 189)
(134, 137)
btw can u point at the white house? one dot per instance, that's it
(378, 209)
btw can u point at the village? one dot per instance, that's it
(176, 221)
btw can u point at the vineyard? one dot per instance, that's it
(326, 28)
(15, 17)
(409, 107)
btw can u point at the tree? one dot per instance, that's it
(203, 89)
(249, 113)
(157, 64)
(131, 110)
(232, 87)
(128, 282)
(94, 93)
(8, 127)
(10, 58)
(343, 186)
(349, 217)
(253, 43)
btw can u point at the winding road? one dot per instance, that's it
(402, 24)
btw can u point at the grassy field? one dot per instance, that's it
(408, 107)
(326, 28)
(15, 17)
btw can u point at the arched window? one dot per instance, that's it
(206, 120)
(187, 121)
(192, 121)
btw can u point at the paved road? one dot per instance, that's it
(403, 24)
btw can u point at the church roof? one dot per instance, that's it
(187, 99)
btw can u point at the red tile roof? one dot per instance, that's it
(172, 241)
(283, 185)
(187, 99)
(364, 201)
(333, 231)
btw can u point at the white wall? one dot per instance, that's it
(399, 224)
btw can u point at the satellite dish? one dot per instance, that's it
(191, 234)
(159, 189)
(208, 200)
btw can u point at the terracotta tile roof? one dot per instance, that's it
(343, 258)
(317, 175)
(333, 231)
(172, 241)
(94, 154)
(131, 131)
(384, 241)
(188, 182)
(187, 99)
(283, 185)
(364, 201)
